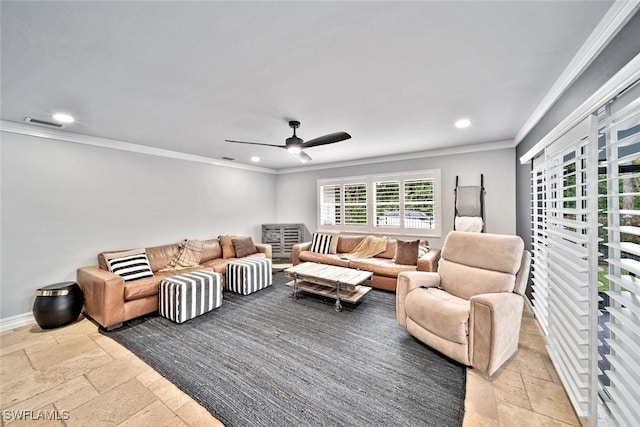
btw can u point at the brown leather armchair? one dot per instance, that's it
(471, 308)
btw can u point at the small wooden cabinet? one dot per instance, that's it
(282, 237)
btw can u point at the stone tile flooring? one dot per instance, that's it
(80, 378)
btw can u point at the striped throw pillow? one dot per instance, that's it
(321, 243)
(131, 265)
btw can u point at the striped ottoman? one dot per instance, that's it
(189, 295)
(248, 275)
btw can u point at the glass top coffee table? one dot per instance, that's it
(340, 283)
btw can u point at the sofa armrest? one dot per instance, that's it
(429, 261)
(408, 281)
(494, 329)
(297, 248)
(265, 248)
(103, 295)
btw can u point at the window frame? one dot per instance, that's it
(370, 180)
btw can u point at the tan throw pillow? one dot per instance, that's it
(228, 251)
(407, 252)
(244, 246)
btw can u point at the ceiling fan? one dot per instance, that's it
(295, 145)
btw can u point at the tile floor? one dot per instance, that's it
(82, 378)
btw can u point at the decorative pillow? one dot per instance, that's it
(321, 243)
(244, 246)
(333, 249)
(228, 251)
(407, 252)
(131, 265)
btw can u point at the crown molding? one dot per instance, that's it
(24, 129)
(461, 149)
(629, 74)
(613, 21)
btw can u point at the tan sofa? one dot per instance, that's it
(110, 301)
(385, 270)
(470, 310)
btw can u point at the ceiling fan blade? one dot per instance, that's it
(326, 139)
(255, 143)
(303, 157)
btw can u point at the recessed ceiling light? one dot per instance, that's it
(463, 123)
(255, 159)
(63, 118)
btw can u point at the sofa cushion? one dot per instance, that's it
(347, 244)
(211, 250)
(159, 256)
(147, 287)
(141, 288)
(440, 313)
(308, 256)
(130, 265)
(380, 266)
(219, 265)
(407, 252)
(243, 246)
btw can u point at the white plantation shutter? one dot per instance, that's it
(539, 264)
(355, 204)
(330, 204)
(586, 181)
(387, 203)
(419, 203)
(571, 209)
(620, 378)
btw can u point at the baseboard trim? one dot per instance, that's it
(16, 321)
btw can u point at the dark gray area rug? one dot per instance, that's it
(268, 360)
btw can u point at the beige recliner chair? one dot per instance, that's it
(471, 309)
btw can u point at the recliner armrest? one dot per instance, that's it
(494, 329)
(408, 281)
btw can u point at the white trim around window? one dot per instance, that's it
(404, 203)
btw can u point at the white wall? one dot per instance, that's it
(297, 200)
(62, 203)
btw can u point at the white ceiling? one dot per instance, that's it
(185, 76)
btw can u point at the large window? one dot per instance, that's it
(404, 203)
(586, 200)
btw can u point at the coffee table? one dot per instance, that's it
(341, 283)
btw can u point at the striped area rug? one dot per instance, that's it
(267, 360)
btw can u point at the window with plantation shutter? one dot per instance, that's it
(403, 203)
(355, 204)
(330, 207)
(539, 262)
(419, 203)
(585, 230)
(387, 203)
(619, 172)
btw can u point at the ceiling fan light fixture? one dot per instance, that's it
(294, 149)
